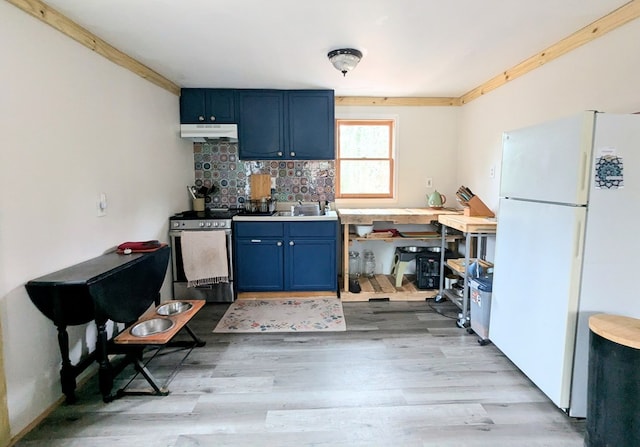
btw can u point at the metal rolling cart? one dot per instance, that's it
(475, 230)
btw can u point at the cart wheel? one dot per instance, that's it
(438, 298)
(460, 323)
(483, 342)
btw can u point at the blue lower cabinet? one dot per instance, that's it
(286, 256)
(311, 265)
(259, 265)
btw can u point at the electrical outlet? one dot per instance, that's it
(429, 182)
(492, 172)
(101, 205)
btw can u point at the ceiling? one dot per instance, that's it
(412, 48)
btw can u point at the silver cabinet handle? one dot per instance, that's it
(293, 154)
(279, 154)
(279, 244)
(212, 118)
(201, 118)
(291, 243)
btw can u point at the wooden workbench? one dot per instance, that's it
(468, 224)
(367, 216)
(473, 228)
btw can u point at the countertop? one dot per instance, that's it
(470, 224)
(331, 215)
(365, 216)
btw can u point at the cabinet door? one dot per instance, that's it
(259, 265)
(201, 105)
(192, 106)
(311, 124)
(220, 106)
(310, 265)
(261, 125)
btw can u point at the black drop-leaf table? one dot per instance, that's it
(109, 287)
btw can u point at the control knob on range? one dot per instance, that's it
(201, 224)
(208, 224)
(216, 224)
(176, 224)
(223, 224)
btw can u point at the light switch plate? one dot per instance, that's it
(102, 205)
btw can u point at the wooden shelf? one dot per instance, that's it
(458, 266)
(450, 238)
(383, 286)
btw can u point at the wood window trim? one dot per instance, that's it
(390, 123)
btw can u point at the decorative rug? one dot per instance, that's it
(283, 315)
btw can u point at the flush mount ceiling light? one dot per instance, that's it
(345, 59)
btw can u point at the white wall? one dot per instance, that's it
(73, 125)
(602, 75)
(427, 139)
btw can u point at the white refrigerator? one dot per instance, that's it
(566, 245)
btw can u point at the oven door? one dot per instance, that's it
(223, 292)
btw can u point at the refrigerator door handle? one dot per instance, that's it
(577, 243)
(583, 180)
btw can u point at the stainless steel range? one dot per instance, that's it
(208, 220)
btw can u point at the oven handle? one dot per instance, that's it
(179, 232)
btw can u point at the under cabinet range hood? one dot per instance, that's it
(201, 133)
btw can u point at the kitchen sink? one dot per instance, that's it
(312, 209)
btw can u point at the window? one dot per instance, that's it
(364, 161)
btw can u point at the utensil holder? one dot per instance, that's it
(198, 204)
(477, 208)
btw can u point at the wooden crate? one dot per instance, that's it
(383, 286)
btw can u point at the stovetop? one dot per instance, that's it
(215, 213)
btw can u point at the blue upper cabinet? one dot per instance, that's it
(286, 124)
(311, 129)
(207, 106)
(261, 124)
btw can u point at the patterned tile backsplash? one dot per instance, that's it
(217, 163)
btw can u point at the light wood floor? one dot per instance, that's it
(401, 375)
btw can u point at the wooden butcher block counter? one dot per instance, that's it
(367, 216)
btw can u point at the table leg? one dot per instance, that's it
(345, 258)
(105, 373)
(67, 372)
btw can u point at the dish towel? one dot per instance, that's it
(204, 257)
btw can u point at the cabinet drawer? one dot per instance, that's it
(259, 229)
(313, 229)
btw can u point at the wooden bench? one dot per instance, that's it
(133, 346)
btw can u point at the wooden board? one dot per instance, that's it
(180, 320)
(367, 216)
(260, 186)
(469, 224)
(458, 264)
(617, 328)
(383, 287)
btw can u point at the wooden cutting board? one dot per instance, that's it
(260, 186)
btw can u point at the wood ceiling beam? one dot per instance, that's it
(625, 14)
(51, 17)
(396, 101)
